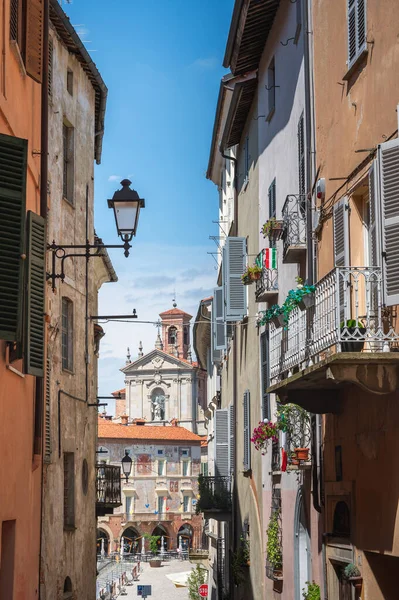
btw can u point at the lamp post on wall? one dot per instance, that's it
(126, 205)
(126, 466)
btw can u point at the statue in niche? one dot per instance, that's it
(157, 405)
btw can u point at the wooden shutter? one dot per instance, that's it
(388, 155)
(13, 161)
(232, 462)
(47, 433)
(216, 355)
(341, 233)
(50, 68)
(356, 29)
(34, 297)
(218, 317)
(374, 228)
(234, 258)
(272, 199)
(34, 39)
(14, 20)
(264, 366)
(221, 443)
(247, 431)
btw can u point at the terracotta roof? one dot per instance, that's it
(107, 429)
(174, 311)
(121, 392)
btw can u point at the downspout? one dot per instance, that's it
(310, 171)
(87, 299)
(43, 213)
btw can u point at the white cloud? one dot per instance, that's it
(114, 178)
(205, 63)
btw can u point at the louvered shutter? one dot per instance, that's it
(47, 439)
(13, 161)
(216, 355)
(232, 462)
(272, 199)
(341, 252)
(301, 158)
(221, 443)
(264, 354)
(374, 228)
(388, 154)
(50, 68)
(34, 297)
(34, 39)
(356, 29)
(247, 431)
(218, 317)
(234, 290)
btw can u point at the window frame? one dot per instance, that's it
(69, 82)
(161, 462)
(68, 163)
(186, 461)
(67, 360)
(186, 509)
(69, 491)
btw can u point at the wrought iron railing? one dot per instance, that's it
(294, 219)
(298, 435)
(108, 486)
(268, 283)
(215, 494)
(347, 315)
(276, 456)
(146, 516)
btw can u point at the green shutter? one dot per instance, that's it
(13, 161)
(34, 298)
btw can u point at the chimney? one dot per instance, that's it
(124, 419)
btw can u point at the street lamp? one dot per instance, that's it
(126, 204)
(126, 465)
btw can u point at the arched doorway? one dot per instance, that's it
(130, 541)
(67, 593)
(185, 537)
(102, 542)
(342, 520)
(301, 546)
(164, 538)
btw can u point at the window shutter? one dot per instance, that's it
(34, 39)
(14, 20)
(388, 154)
(374, 238)
(234, 258)
(219, 328)
(301, 157)
(50, 68)
(216, 355)
(341, 233)
(232, 462)
(47, 439)
(13, 161)
(247, 431)
(34, 297)
(221, 443)
(356, 29)
(272, 199)
(264, 353)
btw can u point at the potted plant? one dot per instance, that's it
(255, 272)
(273, 546)
(273, 229)
(274, 315)
(239, 561)
(291, 415)
(351, 333)
(352, 574)
(263, 433)
(246, 277)
(153, 539)
(312, 592)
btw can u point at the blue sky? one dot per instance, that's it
(162, 63)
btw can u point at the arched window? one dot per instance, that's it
(102, 542)
(67, 595)
(131, 541)
(158, 405)
(342, 521)
(172, 335)
(185, 336)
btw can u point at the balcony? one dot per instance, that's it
(215, 497)
(108, 489)
(186, 485)
(346, 337)
(145, 517)
(267, 286)
(294, 236)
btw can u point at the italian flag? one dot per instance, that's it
(270, 258)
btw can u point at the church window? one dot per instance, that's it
(185, 334)
(172, 335)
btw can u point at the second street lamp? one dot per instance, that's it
(126, 465)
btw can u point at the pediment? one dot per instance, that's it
(156, 360)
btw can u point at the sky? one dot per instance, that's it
(162, 63)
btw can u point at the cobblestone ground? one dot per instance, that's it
(162, 587)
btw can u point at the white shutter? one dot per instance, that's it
(231, 439)
(221, 443)
(247, 431)
(234, 259)
(388, 154)
(216, 355)
(218, 319)
(341, 233)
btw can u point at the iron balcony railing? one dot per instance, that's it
(276, 454)
(146, 516)
(347, 315)
(215, 494)
(267, 285)
(294, 219)
(108, 488)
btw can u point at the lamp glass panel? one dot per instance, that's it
(126, 215)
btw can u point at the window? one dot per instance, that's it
(8, 559)
(26, 29)
(185, 336)
(271, 90)
(172, 335)
(50, 69)
(69, 490)
(356, 21)
(247, 432)
(204, 469)
(272, 206)
(161, 504)
(185, 468)
(186, 503)
(129, 504)
(67, 334)
(68, 162)
(161, 467)
(246, 160)
(234, 263)
(70, 82)
(184, 452)
(160, 452)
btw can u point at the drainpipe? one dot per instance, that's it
(43, 213)
(310, 171)
(87, 320)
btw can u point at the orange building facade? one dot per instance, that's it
(21, 379)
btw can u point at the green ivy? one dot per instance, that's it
(197, 577)
(273, 546)
(312, 592)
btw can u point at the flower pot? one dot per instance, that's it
(280, 319)
(277, 574)
(306, 302)
(357, 582)
(155, 562)
(302, 453)
(352, 345)
(246, 280)
(256, 276)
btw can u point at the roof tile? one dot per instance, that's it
(107, 429)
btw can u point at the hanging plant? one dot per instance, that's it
(273, 546)
(312, 592)
(263, 433)
(272, 228)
